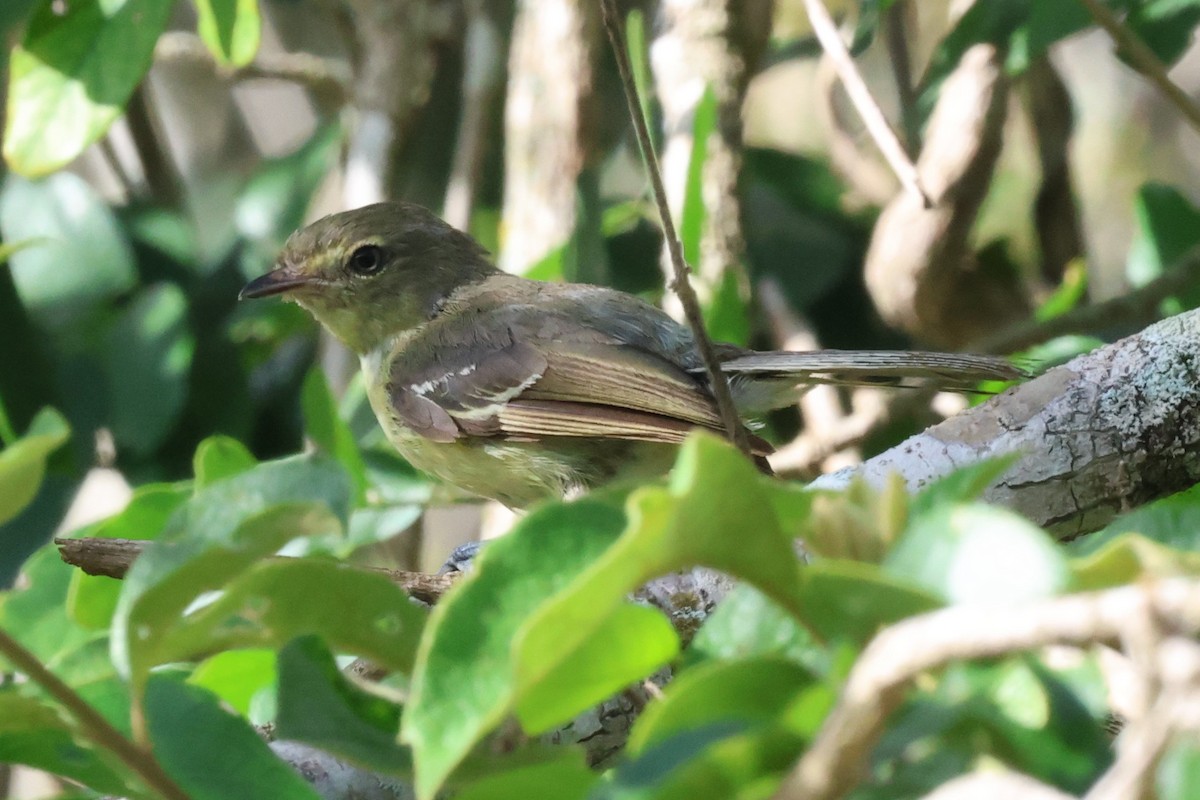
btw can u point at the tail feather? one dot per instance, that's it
(951, 371)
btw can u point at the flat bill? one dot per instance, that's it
(275, 282)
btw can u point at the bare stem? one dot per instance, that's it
(872, 115)
(95, 727)
(879, 680)
(687, 297)
(113, 557)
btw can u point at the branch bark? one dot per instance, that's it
(1112, 429)
(113, 557)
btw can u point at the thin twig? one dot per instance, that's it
(872, 115)
(880, 679)
(1143, 59)
(112, 558)
(1137, 308)
(895, 27)
(687, 297)
(109, 153)
(159, 171)
(322, 76)
(95, 727)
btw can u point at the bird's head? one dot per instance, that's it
(373, 272)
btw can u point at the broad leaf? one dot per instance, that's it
(72, 74)
(147, 357)
(230, 28)
(211, 753)
(318, 706)
(23, 464)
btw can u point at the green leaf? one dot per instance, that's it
(35, 615)
(630, 643)
(1048, 22)
(84, 258)
(220, 457)
(566, 776)
(92, 599)
(35, 734)
(237, 676)
(1070, 293)
(72, 74)
(216, 535)
(148, 355)
(714, 491)
(1166, 26)
(726, 317)
(639, 62)
(275, 601)
(549, 586)
(718, 760)
(1171, 521)
(12, 14)
(230, 28)
(1128, 558)
(463, 683)
(726, 636)
(750, 692)
(329, 431)
(963, 485)
(1168, 228)
(694, 213)
(851, 601)
(318, 706)
(23, 464)
(1178, 774)
(979, 554)
(212, 754)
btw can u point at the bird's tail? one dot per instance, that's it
(758, 377)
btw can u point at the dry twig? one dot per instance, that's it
(872, 116)
(324, 77)
(113, 557)
(879, 680)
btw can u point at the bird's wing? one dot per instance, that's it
(530, 381)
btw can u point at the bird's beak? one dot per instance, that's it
(277, 281)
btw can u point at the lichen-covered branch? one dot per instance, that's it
(1111, 430)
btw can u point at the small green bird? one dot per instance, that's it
(517, 389)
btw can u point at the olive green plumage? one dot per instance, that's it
(517, 389)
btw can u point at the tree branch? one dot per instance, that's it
(113, 557)
(1112, 429)
(95, 727)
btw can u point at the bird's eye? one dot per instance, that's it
(366, 260)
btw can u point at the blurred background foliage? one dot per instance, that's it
(157, 154)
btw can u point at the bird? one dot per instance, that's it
(521, 390)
